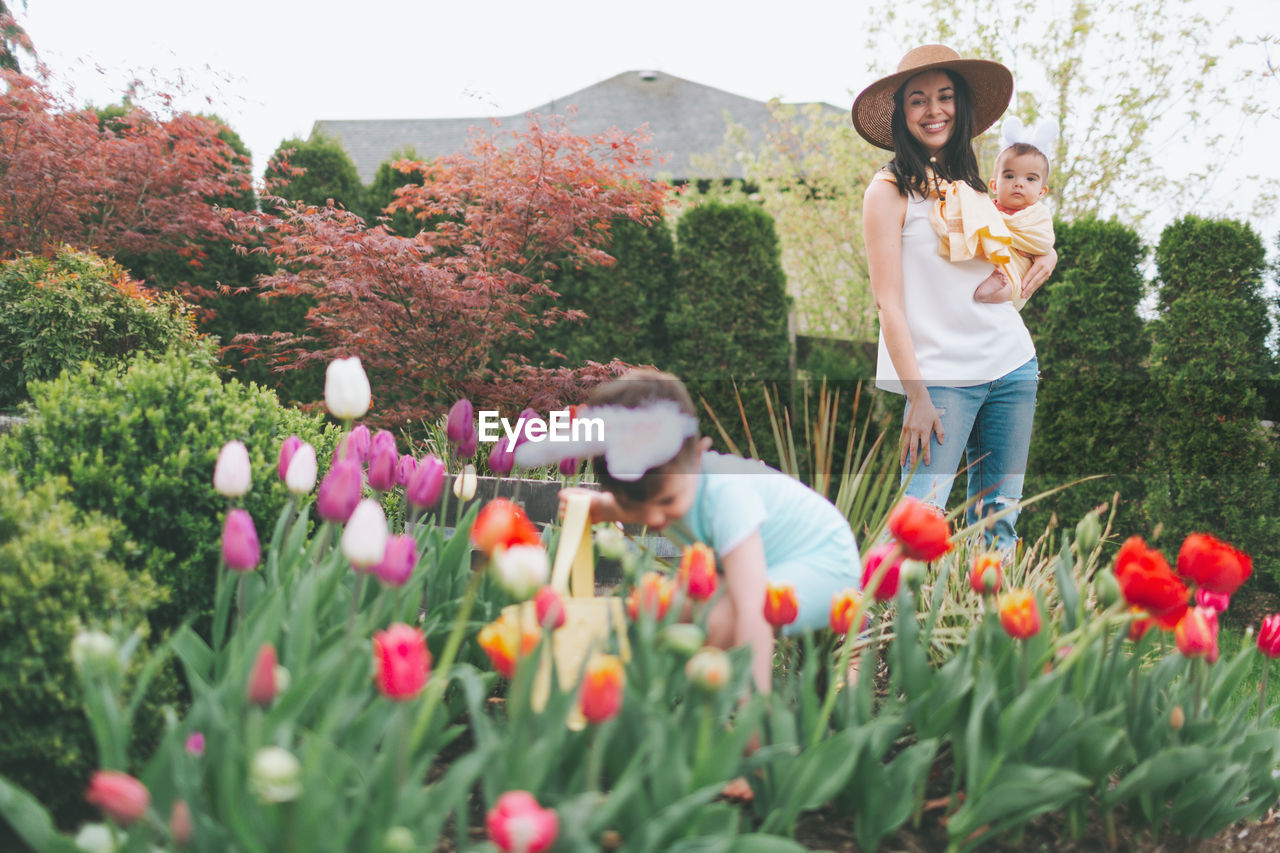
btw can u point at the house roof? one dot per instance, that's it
(684, 118)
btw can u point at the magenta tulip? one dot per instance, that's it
(383, 459)
(240, 548)
(426, 483)
(340, 491)
(461, 422)
(404, 469)
(502, 458)
(287, 449)
(569, 467)
(398, 561)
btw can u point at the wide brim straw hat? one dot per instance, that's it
(990, 83)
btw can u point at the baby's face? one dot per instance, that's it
(672, 500)
(1019, 180)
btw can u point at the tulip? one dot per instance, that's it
(340, 491)
(1088, 531)
(1213, 564)
(502, 458)
(402, 661)
(887, 587)
(1140, 625)
(987, 573)
(506, 642)
(360, 442)
(96, 838)
(780, 605)
(231, 472)
(1195, 635)
(262, 678)
(404, 469)
(120, 796)
(240, 548)
(287, 448)
(383, 459)
(503, 524)
(181, 827)
(517, 824)
(1020, 614)
(346, 389)
(364, 540)
(610, 541)
(1215, 601)
(93, 652)
(467, 447)
(697, 573)
(600, 697)
(1146, 581)
(521, 569)
(464, 486)
(569, 466)
(426, 483)
(1106, 587)
(275, 776)
(683, 638)
(1177, 718)
(844, 605)
(652, 595)
(300, 478)
(195, 744)
(921, 529)
(460, 423)
(399, 839)
(709, 669)
(398, 561)
(1269, 636)
(549, 608)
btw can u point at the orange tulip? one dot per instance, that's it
(652, 595)
(505, 642)
(1020, 614)
(843, 607)
(697, 574)
(922, 530)
(780, 604)
(503, 524)
(601, 695)
(987, 574)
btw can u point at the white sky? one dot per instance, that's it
(270, 68)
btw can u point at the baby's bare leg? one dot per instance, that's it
(994, 288)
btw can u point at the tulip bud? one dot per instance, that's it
(600, 696)
(96, 838)
(913, 574)
(1269, 636)
(517, 824)
(987, 573)
(708, 669)
(402, 661)
(502, 458)
(887, 586)
(383, 459)
(275, 776)
(231, 472)
(180, 826)
(466, 448)
(340, 491)
(287, 448)
(399, 560)
(120, 796)
(364, 540)
(404, 469)
(697, 572)
(611, 542)
(1088, 531)
(283, 679)
(426, 483)
(93, 652)
(359, 443)
(844, 605)
(1177, 718)
(399, 839)
(346, 389)
(464, 487)
(1215, 601)
(240, 548)
(1195, 636)
(549, 608)
(569, 466)
(1106, 587)
(521, 569)
(683, 638)
(781, 607)
(262, 678)
(195, 744)
(460, 422)
(1020, 614)
(300, 477)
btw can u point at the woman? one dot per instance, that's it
(968, 369)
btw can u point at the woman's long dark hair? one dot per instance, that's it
(956, 161)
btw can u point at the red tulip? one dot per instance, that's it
(652, 595)
(844, 605)
(1140, 625)
(1146, 581)
(123, 798)
(506, 642)
(517, 824)
(1196, 634)
(987, 573)
(1269, 636)
(1213, 564)
(1020, 614)
(262, 678)
(697, 574)
(780, 605)
(601, 694)
(549, 607)
(402, 660)
(887, 587)
(502, 524)
(240, 548)
(922, 530)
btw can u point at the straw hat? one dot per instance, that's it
(990, 82)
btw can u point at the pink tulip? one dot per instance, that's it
(119, 795)
(466, 448)
(1196, 634)
(1216, 601)
(287, 449)
(1269, 636)
(426, 483)
(549, 608)
(262, 678)
(195, 744)
(404, 469)
(502, 458)
(181, 827)
(240, 548)
(399, 560)
(517, 824)
(340, 491)
(383, 459)
(461, 421)
(569, 466)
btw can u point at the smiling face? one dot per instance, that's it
(1020, 179)
(929, 107)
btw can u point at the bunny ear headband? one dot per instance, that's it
(1042, 137)
(631, 440)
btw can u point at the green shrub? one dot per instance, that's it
(329, 173)
(57, 574)
(140, 446)
(1091, 405)
(1213, 467)
(727, 320)
(73, 308)
(382, 191)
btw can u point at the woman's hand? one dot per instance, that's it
(603, 506)
(921, 422)
(1038, 274)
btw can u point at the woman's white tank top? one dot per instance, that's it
(957, 341)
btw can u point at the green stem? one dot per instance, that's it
(436, 686)
(1022, 668)
(1262, 688)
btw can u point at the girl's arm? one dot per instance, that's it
(745, 581)
(883, 212)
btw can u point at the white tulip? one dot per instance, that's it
(464, 487)
(275, 775)
(346, 389)
(364, 540)
(522, 570)
(231, 473)
(300, 478)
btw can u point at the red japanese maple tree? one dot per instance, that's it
(430, 315)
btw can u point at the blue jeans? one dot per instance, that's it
(991, 424)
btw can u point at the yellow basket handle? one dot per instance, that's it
(574, 566)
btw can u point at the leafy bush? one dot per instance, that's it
(140, 446)
(77, 307)
(1212, 464)
(57, 573)
(315, 170)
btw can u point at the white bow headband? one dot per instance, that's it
(1042, 137)
(633, 440)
